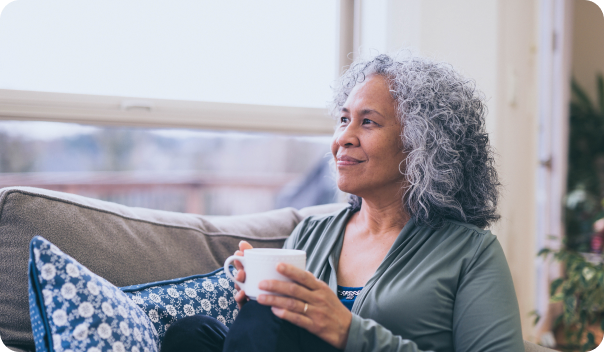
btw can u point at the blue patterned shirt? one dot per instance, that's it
(347, 295)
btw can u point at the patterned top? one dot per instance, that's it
(347, 295)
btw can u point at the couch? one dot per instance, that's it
(125, 245)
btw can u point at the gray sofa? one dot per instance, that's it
(124, 245)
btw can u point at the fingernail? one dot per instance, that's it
(281, 267)
(262, 285)
(261, 298)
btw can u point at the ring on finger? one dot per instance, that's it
(305, 308)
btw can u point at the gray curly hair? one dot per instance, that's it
(450, 166)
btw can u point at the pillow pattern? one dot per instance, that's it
(73, 309)
(164, 302)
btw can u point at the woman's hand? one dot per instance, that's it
(241, 297)
(310, 304)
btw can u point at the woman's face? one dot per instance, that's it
(367, 145)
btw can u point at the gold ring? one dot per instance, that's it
(305, 308)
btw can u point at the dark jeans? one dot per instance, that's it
(256, 329)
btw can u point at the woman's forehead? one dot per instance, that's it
(373, 92)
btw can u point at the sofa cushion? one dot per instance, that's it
(124, 245)
(75, 309)
(164, 302)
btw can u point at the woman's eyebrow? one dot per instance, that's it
(364, 111)
(369, 111)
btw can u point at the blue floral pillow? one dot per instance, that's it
(164, 302)
(73, 309)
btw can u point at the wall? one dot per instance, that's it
(588, 45)
(495, 43)
(516, 137)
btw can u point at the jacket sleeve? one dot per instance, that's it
(368, 336)
(486, 317)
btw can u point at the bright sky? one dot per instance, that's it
(270, 52)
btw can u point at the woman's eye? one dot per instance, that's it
(367, 121)
(343, 119)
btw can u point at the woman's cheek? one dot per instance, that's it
(334, 145)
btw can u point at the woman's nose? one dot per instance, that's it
(348, 137)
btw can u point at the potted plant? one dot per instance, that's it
(581, 289)
(581, 292)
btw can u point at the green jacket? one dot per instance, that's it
(446, 289)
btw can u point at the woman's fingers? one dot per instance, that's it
(237, 263)
(240, 295)
(243, 245)
(302, 287)
(300, 276)
(239, 277)
(289, 289)
(290, 304)
(241, 298)
(297, 319)
(325, 315)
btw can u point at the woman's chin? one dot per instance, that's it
(346, 188)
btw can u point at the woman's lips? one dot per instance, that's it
(347, 161)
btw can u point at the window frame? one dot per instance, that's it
(125, 111)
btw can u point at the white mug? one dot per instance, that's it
(261, 264)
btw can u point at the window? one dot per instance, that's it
(262, 68)
(215, 173)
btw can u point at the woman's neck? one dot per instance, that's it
(382, 217)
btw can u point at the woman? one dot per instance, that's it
(409, 257)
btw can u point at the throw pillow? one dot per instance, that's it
(73, 309)
(164, 302)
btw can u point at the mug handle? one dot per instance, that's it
(228, 273)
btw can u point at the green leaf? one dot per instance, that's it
(570, 305)
(588, 272)
(544, 252)
(569, 289)
(557, 298)
(536, 315)
(554, 286)
(537, 318)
